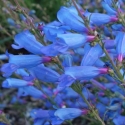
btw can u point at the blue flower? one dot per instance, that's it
(99, 63)
(98, 84)
(15, 83)
(54, 49)
(22, 61)
(64, 81)
(84, 72)
(101, 109)
(69, 113)
(67, 60)
(32, 91)
(71, 19)
(74, 40)
(38, 113)
(27, 61)
(25, 76)
(109, 44)
(7, 69)
(88, 94)
(117, 27)
(28, 41)
(119, 120)
(51, 31)
(120, 45)
(39, 121)
(92, 55)
(108, 8)
(98, 19)
(45, 74)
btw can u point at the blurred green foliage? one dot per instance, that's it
(48, 7)
(45, 11)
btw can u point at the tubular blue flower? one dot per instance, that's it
(32, 91)
(28, 41)
(70, 93)
(101, 109)
(84, 72)
(27, 61)
(15, 83)
(88, 94)
(120, 45)
(79, 51)
(111, 51)
(25, 76)
(71, 19)
(22, 72)
(64, 81)
(108, 8)
(99, 63)
(69, 113)
(74, 40)
(78, 73)
(104, 100)
(92, 55)
(118, 27)
(109, 44)
(54, 49)
(97, 84)
(110, 85)
(7, 69)
(82, 51)
(39, 121)
(119, 120)
(52, 31)
(38, 113)
(45, 74)
(67, 60)
(99, 18)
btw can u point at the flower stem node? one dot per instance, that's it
(18, 10)
(33, 31)
(93, 43)
(119, 64)
(110, 72)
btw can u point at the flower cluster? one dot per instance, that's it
(77, 69)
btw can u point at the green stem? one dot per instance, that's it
(85, 21)
(47, 95)
(4, 119)
(91, 108)
(70, 123)
(111, 61)
(77, 87)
